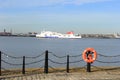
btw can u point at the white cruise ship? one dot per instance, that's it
(117, 36)
(50, 34)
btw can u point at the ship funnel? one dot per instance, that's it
(70, 32)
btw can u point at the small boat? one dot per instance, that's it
(50, 34)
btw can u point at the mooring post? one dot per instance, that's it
(46, 62)
(0, 63)
(88, 67)
(67, 64)
(23, 68)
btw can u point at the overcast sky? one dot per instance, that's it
(80, 16)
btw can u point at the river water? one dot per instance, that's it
(31, 46)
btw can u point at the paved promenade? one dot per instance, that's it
(101, 75)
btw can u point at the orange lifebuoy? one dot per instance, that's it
(89, 55)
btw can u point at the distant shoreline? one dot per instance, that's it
(18, 35)
(100, 36)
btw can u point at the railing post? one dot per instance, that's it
(23, 68)
(0, 62)
(67, 64)
(88, 67)
(46, 62)
(88, 64)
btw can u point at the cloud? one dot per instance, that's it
(37, 3)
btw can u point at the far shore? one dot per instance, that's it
(99, 36)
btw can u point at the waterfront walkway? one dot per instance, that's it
(99, 75)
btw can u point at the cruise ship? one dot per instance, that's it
(50, 34)
(117, 36)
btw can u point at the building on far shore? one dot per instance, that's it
(4, 33)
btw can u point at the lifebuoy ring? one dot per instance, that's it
(89, 55)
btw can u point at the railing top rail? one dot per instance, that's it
(108, 55)
(15, 57)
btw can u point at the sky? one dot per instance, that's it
(80, 16)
